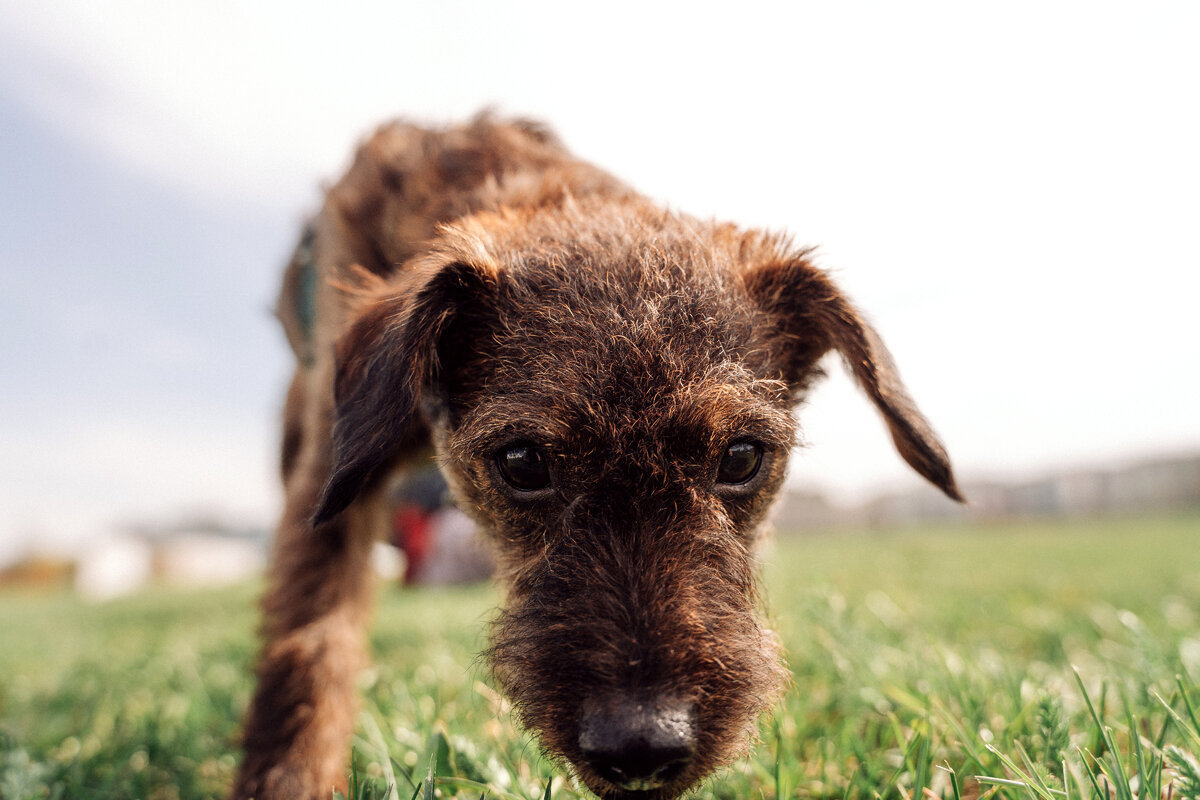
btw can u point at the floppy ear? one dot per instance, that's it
(814, 318)
(386, 363)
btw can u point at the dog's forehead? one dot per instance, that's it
(636, 316)
(639, 346)
(653, 299)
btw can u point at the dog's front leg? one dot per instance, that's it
(302, 714)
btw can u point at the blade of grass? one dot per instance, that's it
(430, 789)
(1121, 778)
(954, 787)
(1139, 756)
(965, 739)
(921, 771)
(906, 761)
(1033, 784)
(467, 783)
(1187, 703)
(1045, 791)
(375, 735)
(778, 761)
(1086, 697)
(1180, 722)
(1088, 760)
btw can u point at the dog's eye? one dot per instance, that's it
(524, 467)
(740, 463)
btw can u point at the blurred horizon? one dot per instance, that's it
(1011, 196)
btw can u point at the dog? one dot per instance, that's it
(608, 387)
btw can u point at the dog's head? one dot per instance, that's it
(610, 390)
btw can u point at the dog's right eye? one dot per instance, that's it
(740, 463)
(524, 467)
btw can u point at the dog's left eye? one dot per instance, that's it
(524, 467)
(740, 463)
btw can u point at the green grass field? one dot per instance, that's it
(1034, 661)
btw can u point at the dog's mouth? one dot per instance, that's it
(640, 794)
(639, 789)
(642, 786)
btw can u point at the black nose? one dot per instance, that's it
(638, 745)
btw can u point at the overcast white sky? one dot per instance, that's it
(1011, 191)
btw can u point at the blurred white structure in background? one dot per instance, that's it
(114, 566)
(201, 558)
(183, 557)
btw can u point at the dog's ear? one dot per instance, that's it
(814, 317)
(386, 363)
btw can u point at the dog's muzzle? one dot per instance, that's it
(638, 745)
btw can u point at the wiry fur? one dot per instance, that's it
(479, 287)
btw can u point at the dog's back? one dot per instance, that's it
(406, 180)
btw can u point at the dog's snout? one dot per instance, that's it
(638, 745)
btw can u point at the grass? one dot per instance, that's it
(1034, 662)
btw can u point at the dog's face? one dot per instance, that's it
(622, 439)
(611, 400)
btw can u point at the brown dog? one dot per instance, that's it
(608, 387)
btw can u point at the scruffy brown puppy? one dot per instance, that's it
(608, 387)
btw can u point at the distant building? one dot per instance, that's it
(208, 558)
(198, 554)
(801, 510)
(1159, 484)
(114, 566)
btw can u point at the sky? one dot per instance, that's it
(1010, 191)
